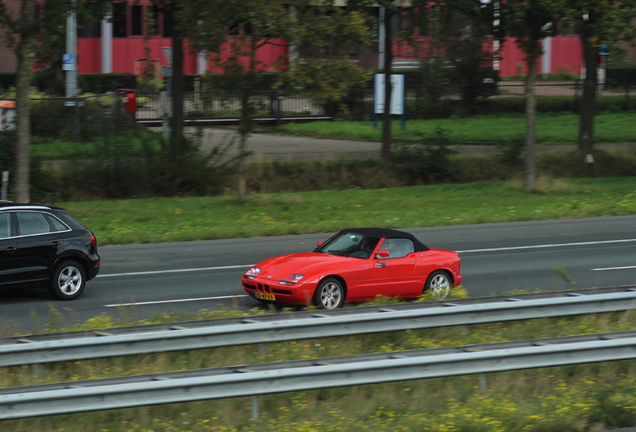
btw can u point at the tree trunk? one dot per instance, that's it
(588, 100)
(177, 141)
(246, 124)
(530, 163)
(26, 56)
(243, 135)
(386, 115)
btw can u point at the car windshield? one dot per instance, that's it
(349, 245)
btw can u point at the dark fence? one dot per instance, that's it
(439, 101)
(77, 119)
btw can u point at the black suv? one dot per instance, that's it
(44, 246)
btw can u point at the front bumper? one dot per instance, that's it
(269, 290)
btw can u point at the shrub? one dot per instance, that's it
(96, 116)
(511, 151)
(113, 173)
(621, 75)
(427, 160)
(41, 182)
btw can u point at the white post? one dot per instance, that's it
(107, 44)
(381, 36)
(202, 62)
(546, 60)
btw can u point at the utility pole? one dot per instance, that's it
(69, 63)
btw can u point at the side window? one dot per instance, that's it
(5, 225)
(32, 223)
(55, 224)
(398, 247)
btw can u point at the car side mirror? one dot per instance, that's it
(382, 254)
(319, 244)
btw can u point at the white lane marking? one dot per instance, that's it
(548, 246)
(461, 251)
(614, 268)
(175, 301)
(175, 270)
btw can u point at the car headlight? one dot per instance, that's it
(253, 272)
(291, 279)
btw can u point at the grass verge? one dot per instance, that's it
(157, 220)
(553, 128)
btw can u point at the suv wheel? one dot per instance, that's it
(68, 282)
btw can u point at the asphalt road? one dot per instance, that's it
(189, 276)
(268, 147)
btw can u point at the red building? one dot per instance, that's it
(117, 45)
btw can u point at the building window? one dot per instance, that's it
(167, 26)
(88, 28)
(120, 19)
(137, 20)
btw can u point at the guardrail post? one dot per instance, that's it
(256, 412)
(261, 349)
(37, 370)
(483, 383)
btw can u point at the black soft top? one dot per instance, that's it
(388, 233)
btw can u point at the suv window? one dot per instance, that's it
(38, 223)
(5, 225)
(55, 223)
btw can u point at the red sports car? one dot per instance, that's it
(355, 265)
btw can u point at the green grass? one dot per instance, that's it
(198, 218)
(551, 128)
(48, 149)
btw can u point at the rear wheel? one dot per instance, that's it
(68, 282)
(330, 294)
(439, 284)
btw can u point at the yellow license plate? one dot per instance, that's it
(265, 296)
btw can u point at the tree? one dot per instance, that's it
(23, 32)
(322, 39)
(256, 24)
(529, 22)
(22, 27)
(391, 10)
(318, 34)
(469, 50)
(600, 22)
(453, 43)
(177, 19)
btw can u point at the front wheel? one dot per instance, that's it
(68, 282)
(330, 294)
(438, 284)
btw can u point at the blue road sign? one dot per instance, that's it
(68, 61)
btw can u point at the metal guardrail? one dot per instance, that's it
(261, 379)
(317, 324)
